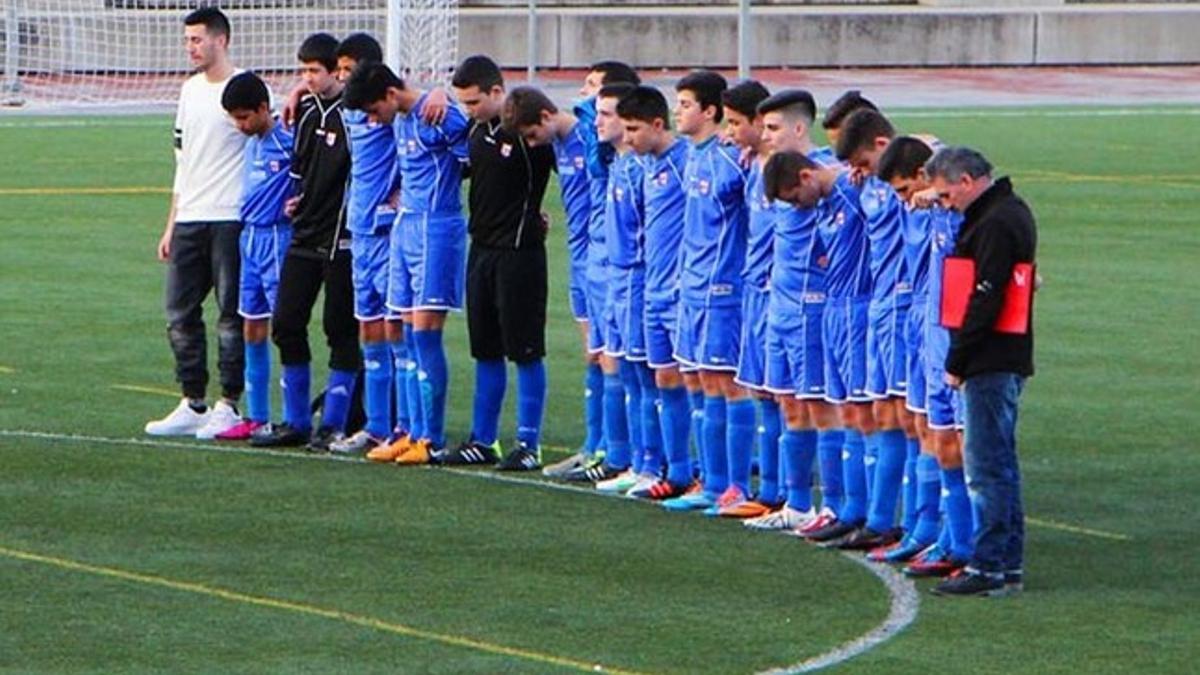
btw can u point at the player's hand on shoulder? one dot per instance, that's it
(545, 222)
(857, 176)
(289, 207)
(433, 110)
(292, 105)
(924, 199)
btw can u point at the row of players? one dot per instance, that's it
(733, 262)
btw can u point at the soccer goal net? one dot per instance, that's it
(130, 52)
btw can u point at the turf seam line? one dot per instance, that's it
(311, 610)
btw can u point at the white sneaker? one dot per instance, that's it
(644, 482)
(786, 518)
(183, 421)
(624, 480)
(359, 444)
(221, 418)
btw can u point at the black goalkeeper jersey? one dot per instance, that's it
(322, 166)
(508, 181)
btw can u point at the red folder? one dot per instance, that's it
(958, 283)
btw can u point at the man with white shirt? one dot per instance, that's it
(200, 241)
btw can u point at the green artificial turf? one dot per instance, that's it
(1107, 444)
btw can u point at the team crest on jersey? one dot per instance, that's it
(840, 218)
(703, 186)
(330, 138)
(662, 179)
(579, 162)
(506, 150)
(274, 166)
(618, 194)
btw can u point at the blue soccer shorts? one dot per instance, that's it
(434, 254)
(262, 250)
(752, 358)
(844, 338)
(626, 334)
(795, 348)
(709, 337)
(662, 329)
(940, 405)
(596, 297)
(887, 367)
(370, 254)
(914, 356)
(578, 291)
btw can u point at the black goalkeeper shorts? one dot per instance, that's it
(506, 303)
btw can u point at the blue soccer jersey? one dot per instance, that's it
(760, 230)
(624, 216)
(943, 231)
(599, 156)
(266, 182)
(571, 163)
(664, 197)
(714, 226)
(843, 233)
(917, 235)
(431, 161)
(374, 175)
(884, 212)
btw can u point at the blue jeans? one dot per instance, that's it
(993, 474)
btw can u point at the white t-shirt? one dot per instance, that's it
(208, 154)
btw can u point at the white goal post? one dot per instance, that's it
(59, 53)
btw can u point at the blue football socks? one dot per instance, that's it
(377, 389)
(928, 494)
(652, 434)
(400, 374)
(909, 492)
(854, 478)
(889, 473)
(958, 513)
(258, 381)
(336, 408)
(593, 406)
(633, 412)
(716, 460)
(616, 426)
(531, 402)
(768, 452)
(799, 448)
(870, 458)
(491, 379)
(297, 383)
(829, 457)
(431, 357)
(739, 442)
(676, 422)
(696, 402)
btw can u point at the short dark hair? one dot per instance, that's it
(847, 103)
(213, 20)
(744, 97)
(615, 71)
(859, 131)
(904, 157)
(368, 84)
(782, 172)
(645, 104)
(791, 101)
(360, 47)
(707, 86)
(319, 48)
(245, 91)
(479, 71)
(617, 90)
(523, 107)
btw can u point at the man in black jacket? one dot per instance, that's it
(506, 271)
(319, 254)
(990, 367)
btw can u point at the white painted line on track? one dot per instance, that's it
(904, 601)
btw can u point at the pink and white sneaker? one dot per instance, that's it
(240, 431)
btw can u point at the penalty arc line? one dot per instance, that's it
(903, 603)
(311, 610)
